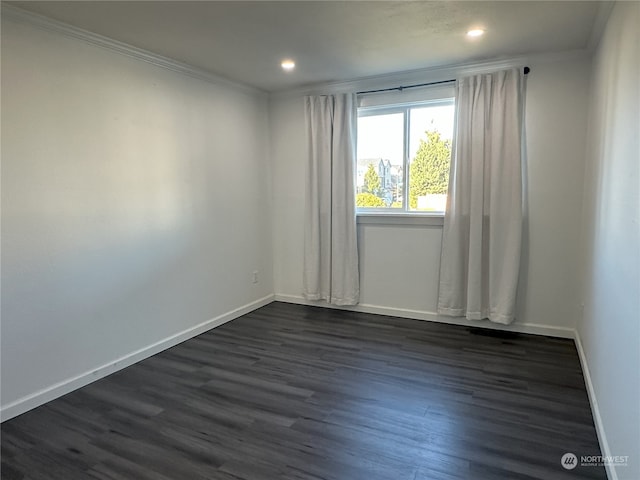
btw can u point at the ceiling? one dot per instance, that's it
(329, 40)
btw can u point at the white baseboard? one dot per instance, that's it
(45, 395)
(59, 389)
(532, 328)
(595, 411)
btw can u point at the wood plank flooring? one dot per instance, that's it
(303, 393)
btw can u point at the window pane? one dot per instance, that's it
(379, 179)
(430, 137)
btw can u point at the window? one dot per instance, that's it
(403, 157)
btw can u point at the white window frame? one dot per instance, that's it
(383, 215)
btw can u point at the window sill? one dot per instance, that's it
(435, 220)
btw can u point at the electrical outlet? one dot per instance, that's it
(255, 276)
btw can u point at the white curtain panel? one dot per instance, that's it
(482, 232)
(331, 247)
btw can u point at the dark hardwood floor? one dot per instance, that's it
(302, 393)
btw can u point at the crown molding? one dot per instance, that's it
(423, 75)
(432, 74)
(599, 24)
(46, 23)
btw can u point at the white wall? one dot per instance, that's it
(610, 329)
(135, 201)
(400, 264)
(134, 205)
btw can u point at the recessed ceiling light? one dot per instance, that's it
(476, 32)
(288, 65)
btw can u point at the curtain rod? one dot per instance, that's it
(400, 88)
